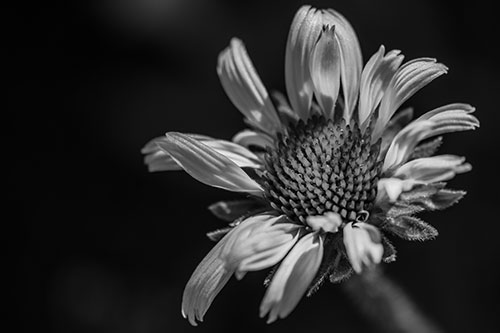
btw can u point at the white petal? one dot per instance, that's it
(262, 244)
(325, 70)
(451, 118)
(409, 78)
(247, 138)
(293, 277)
(405, 141)
(206, 282)
(207, 165)
(158, 159)
(398, 122)
(304, 32)
(389, 189)
(244, 88)
(216, 269)
(361, 247)
(433, 169)
(329, 222)
(351, 59)
(375, 78)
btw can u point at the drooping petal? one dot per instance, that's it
(325, 70)
(409, 78)
(293, 277)
(363, 245)
(206, 282)
(216, 269)
(351, 59)
(433, 169)
(405, 142)
(451, 118)
(285, 111)
(244, 88)
(207, 165)
(157, 159)
(304, 32)
(375, 78)
(329, 222)
(248, 138)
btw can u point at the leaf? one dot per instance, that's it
(389, 250)
(342, 270)
(443, 199)
(216, 235)
(410, 228)
(402, 208)
(231, 210)
(427, 149)
(420, 192)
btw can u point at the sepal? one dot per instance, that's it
(410, 228)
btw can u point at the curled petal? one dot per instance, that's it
(363, 245)
(329, 222)
(248, 138)
(293, 277)
(221, 263)
(351, 59)
(405, 142)
(451, 118)
(433, 169)
(207, 165)
(325, 70)
(304, 31)
(206, 282)
(244, 88)
(375, 78)
(410, 78)
(389, 189)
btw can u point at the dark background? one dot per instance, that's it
(95, 243)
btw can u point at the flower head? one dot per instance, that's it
(328, 171)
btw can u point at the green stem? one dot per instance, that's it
(386, 304)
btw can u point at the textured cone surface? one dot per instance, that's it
(322, 166)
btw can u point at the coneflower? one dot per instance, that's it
(328, 172)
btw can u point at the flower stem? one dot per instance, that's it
(386, 304)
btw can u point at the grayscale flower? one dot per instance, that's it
(327, 171)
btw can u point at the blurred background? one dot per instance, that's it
(95, 243)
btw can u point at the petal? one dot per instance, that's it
(405, 141)
(351, 59)
(247, 138)
(304, 32)
(292, 278)
(363, 245)
(399, 121)
(409, 78)
(390, 189)
(266, 246)
(375, 78)
(231, 210)
(207, 165)
(206, 282)
(215, 270)
(325, 70)
(433, 169)
(244, 88)
(158, 160)
(451, 118)
(329, 222)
